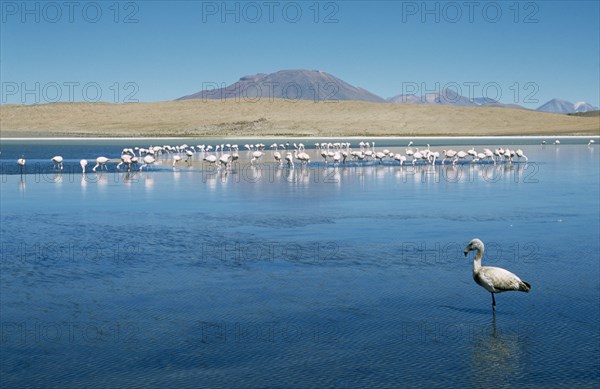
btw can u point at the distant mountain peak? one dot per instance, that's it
(291, 84)
(450, 97)
(563, 106)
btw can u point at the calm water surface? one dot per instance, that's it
(308, 277)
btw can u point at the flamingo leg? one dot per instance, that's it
(493, 302)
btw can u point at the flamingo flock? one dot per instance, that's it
(222, 156)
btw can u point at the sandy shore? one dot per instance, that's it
(230, 118)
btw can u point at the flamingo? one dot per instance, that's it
(417, 155)
(148, 160)
(493, 279)
(400, 158)
(127, 160)
(212, 159)
(58, 161)
(557, 142)
(520, 154)
(21, 162)
(480, 157)
(176, 159)
(337, 158)
(100, 162)
(472, 152)
(277, 157)
(290, 159)
(460, 155)
(324, 155)
(489, 154)
(189, 155)
(448, 154)
(591, 142)
(225, 159)
(256, 155)
(83, 163)
(302, 157)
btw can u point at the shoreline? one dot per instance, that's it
(554, 136)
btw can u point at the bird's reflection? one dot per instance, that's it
(498, 355)
(22, 185)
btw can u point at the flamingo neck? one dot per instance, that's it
(477, 261)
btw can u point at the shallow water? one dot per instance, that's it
(309, 277)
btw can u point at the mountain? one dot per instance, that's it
(449, 97)
(444, 97)
(557, 106)
(582, 106)
(563, 106)
(295, 84)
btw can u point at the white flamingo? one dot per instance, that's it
(448, 154)
(176, 159)
(189, 155)
(519, 153)
(148, 160)
(127, 160)
(212, 159)
(256, 155)
(100, 162)
(21, 162)
(416, 155)
(460, 155)
(489, 154)
(83, 163)
(290, 159)
(277, 157)
(225, 159)
(493, 279)
(57, 162)
(400, 158)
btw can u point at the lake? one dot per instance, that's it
(317, 276)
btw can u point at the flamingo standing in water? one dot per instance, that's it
(256, 155)
(460, 155)
(400, 158)
(448, 154)
(100, 163)
(225, 159)
(212, 159)
(58, 162)
(493, 279)
(519, 153)
(21, 162)
(416, 155)
(83, 163)
(148, 160)
(290, 159)
(176, 159)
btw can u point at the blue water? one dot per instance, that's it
(309, 277)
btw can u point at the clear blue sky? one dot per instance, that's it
(548, 49)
